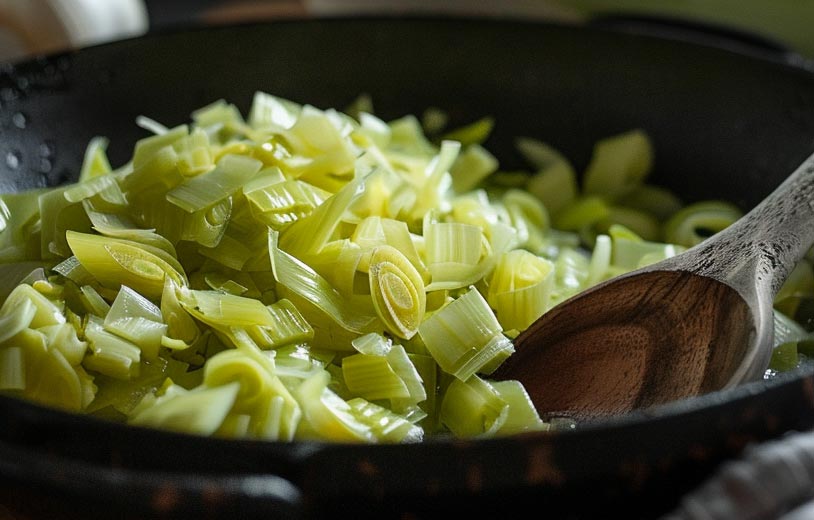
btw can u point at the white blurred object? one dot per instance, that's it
(541, 9)
(30, 27)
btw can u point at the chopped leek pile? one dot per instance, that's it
(301, 273)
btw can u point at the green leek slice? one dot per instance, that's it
(326, 415)
(464, 336)
(521, 416)
(473, 408)
(137, 319)
(114, 262)
(206, 189)
(12, 368)
(384, 424)
(695, 222)
(95, 162)
(372, 377)
(520, 288)
(110, 354)
(200, 411)
(46, 312)
(618, 164)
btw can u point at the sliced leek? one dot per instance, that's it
(397, 291)
(464, 336)
(303, 273)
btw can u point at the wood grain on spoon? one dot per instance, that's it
(629, 342)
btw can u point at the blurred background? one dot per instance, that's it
(30, 27)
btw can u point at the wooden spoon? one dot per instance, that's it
(697, 322)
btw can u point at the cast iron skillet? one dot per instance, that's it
(724, 125)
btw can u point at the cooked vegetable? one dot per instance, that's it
(308, 274)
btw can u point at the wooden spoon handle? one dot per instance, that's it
(765, 244)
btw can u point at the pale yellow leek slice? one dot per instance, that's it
(473, 408)
(528, 216)
(642, 223)
(403, 365)
(157, 170)
(206, 189)
(521, 416)
(325, 156)
(137, 319)
(464, 336)
(20, 238)
(15, 318)
(555, 185)
(385, 425)
(93, 302)
(280, 202)
(95, 162)
(657, 201)
(147, 148)
(697, 221)
(452, 248)
(110, 354)
(46, 312)
(520, 288)
(374, 129)
(630, 251)
(276, 413)
(309, 235)
(63, 337)
(540, 155)
(473, 133)
(194, 153)
(200, 411)
(471, 167)
(373, 344)
(51, 380)
(326, 415)
(222, 310)
(290, 327)
(121, 226)
(599, 267)
(124, 396)
(59, 215)
(397, 290)
(182, 331)
(618, 164)
(272, 112)
(583, 212)
(376, 231)
(104, 189)
(114, 262)
(12, 368)
(255, 380)
(303, 282)
(372, 377)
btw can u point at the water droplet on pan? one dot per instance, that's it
(45, 165)
(13, 159)
(19, 120)
(47, 149)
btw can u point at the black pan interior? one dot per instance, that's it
(723, 124)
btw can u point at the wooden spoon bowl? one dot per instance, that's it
(634, 344)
